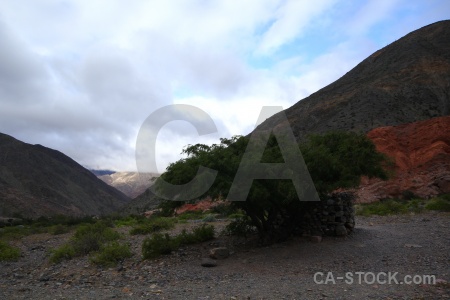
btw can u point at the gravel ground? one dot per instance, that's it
(408, 244)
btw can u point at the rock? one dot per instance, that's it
(44, 277)
(315, 238)
(208, 262)
(412, 246)
(219, 253)
(421, 153)
(339, 214)
(340, 230)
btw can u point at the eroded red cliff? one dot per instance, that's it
(421, 152)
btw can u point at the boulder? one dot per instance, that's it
(208, 262)
(219, 253)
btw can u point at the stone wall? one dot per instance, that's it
(333, 216)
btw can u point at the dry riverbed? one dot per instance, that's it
(408, 244)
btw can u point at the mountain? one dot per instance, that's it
(421, 152)
(142, 203)
(102, 172)
(38, 181)
(406, 81)
(131, 184)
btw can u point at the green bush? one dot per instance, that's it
(87, 238)
(112, 253)
(90, 237)
(415, 205)
(383, 208)
(8, 252)
(157, 245)
(199, 234)
(241, 226)
(58, 229)
(209, 218)
(203, 233)
(153, 225)
(191, 215)
(393, 206)
(440, 204)
(129, 221)
(66, 251)
(185, 238)
(17, 232)
(236, 215)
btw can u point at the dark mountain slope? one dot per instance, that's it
(36, 181)
(406, 81)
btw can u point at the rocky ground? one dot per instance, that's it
(408, 244)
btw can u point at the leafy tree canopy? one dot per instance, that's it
(336, 159)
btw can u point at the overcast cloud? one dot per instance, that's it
(82, 76)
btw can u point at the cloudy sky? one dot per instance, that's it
(81, 76)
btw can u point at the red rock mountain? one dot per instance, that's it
(421, 152)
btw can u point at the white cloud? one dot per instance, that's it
(82, 76)
(291, 19)
(372, 12)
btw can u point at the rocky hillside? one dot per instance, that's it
(144, 202)
(406, 81)
(421, 152)
(131, 184)
(38, 181)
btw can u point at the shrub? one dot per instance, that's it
(191, 215)
(59, 229)
(17, 232)
(415, 205)
(236, 215)
(224, 209)
(157, 245)
(8, 252)
(185, 238)
(87, 238)
(203, 233)
(440, 204)
(66, 251)
(383, 208)
(241, 226)
(153, 225)
(199, 234)
(130, 221)
(90, 237)
(209, 218)
(112, 253)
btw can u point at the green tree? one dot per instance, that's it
(336, 159)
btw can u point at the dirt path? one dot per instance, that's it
(410, 245)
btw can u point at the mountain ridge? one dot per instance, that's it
(39, 181)
(387, 88)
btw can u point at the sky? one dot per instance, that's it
(83, 76)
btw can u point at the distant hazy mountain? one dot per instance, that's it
(131, 184)
(406, 81)
(38, 181)
(102, 172)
